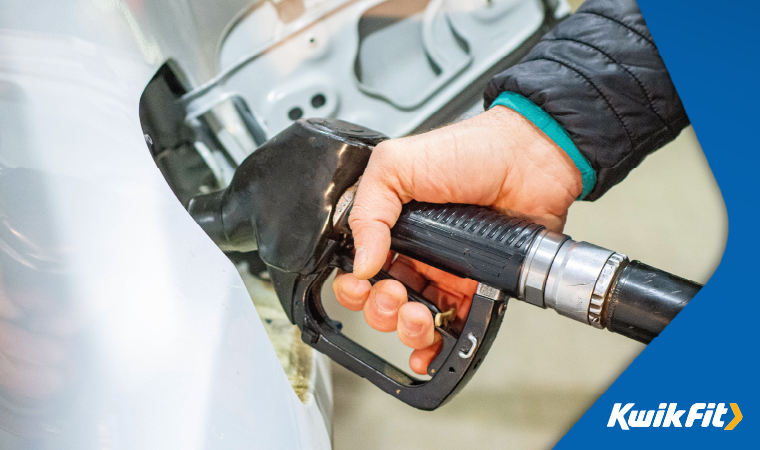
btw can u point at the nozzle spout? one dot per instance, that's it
(209, 212)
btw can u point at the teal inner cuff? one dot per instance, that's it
(554, 130)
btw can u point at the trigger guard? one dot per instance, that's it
(451, 372)
(449, 342)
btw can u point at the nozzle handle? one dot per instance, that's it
(467, 241)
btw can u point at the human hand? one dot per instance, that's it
(497, 159)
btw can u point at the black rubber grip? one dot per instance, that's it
(467, 241)
(645, 299)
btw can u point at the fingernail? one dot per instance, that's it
(386, 303)
(411, 326)
(360, 257)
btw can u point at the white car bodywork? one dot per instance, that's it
(166, 347)
(122, 326)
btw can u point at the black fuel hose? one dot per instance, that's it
(644, 301)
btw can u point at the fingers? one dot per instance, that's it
(376, 208)
(383, 303)
(386, 307)
(421, 359)
(415, 325)
(380, 302)
(382, 307)
(350, 291)
(372, 239)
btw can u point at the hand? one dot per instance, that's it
(497, 159)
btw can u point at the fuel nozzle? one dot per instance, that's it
(209, 210)
(602, 288)
(290, 200)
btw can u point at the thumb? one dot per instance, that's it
(377, 206)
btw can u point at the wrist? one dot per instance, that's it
(531, 147)
(545, 127)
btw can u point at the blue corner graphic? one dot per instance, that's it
(709, 353)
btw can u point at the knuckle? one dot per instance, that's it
(366, 219)
(358, 219)
(377, 320)
(384, 150)
(384, 163)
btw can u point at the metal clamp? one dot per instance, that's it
(601, 288)
(470, 352)
(572, 278)
(487, 291)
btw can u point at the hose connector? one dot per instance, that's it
(572, 278)
(575, 272)
(601, 288)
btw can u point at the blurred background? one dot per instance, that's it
(544, 371)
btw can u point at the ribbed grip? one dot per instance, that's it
(467, 241)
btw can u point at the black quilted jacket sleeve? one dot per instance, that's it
(599, 74)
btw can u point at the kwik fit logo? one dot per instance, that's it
(668, 415)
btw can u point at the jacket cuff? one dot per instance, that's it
(553, 130)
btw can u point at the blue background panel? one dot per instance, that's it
(709, 352)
